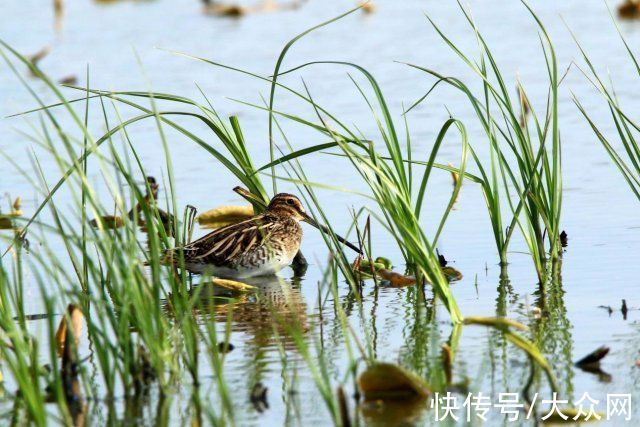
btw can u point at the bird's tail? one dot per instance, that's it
(172, 256)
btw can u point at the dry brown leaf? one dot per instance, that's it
(76, 318)
(233, 285)
(454, 176)
(396, 279)
(225, 215)
(368, 7)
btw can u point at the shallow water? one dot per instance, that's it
(599, 213)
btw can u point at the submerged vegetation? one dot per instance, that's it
(157, 330)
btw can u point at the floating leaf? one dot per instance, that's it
(381, 267)
(592, 360)
(452, 274)
(225, 215)
(573, 416)
(385, 262)
(233, 285)
(389, 381)
(365, 268)
(396, 279)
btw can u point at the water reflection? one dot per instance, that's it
(274, 312)
(393, 413)
(499, 356)
(552, 329)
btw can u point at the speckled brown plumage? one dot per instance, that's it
(260, 245)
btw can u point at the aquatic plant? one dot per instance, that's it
(627, 159)
(140, 315)
(525, 153)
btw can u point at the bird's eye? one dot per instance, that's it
(290, 201)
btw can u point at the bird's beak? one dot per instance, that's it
(326, 230)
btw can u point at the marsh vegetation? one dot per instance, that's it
(97, 329)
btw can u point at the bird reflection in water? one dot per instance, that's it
(275, 310)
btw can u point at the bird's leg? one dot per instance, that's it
(299, 265)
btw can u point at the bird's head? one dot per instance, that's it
(153, 186)
(288, 205)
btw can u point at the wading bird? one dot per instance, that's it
(261, 245)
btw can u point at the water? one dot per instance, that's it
(119, 41)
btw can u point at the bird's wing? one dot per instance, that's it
(227, 242)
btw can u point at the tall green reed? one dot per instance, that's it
(627, 157)
(525, 153)
(133, 338)
(116, 289)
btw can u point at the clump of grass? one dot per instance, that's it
(389, 175)
(135, 344)
(525, 154)
(140, 317)
(627, 159)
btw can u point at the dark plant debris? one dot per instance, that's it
(441, 259)
(564, 239)
(629, 9)
(608, 308)
(345, 419)
(69, 80)
(258, 397)
(592, 360)
(225, 347)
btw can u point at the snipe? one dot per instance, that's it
(150, 201)
(261, 245)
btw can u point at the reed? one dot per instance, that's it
(624, 151)
(525, 153)
(140, 316)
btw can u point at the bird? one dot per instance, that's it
(150, 200)
(259, 246)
